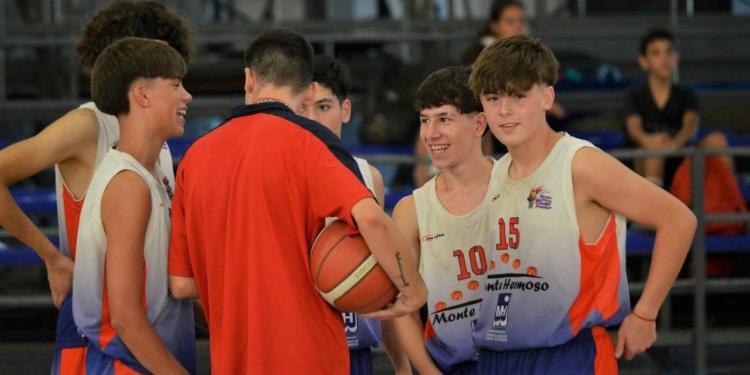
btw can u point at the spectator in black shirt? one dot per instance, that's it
(660, 114)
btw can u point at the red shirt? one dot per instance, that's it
(251, 195)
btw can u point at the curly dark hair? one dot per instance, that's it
(123, 18)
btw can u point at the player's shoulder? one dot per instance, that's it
(376, 175)
(79, 120)
(75, 130)
(405, 205)
(589, 163)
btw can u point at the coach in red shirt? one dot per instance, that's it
(250, 197)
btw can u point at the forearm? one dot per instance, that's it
(687, 131)
(391, 252)
(393, 349)
(635, 130)
(409, 334)
(670, 249)
(142, 340)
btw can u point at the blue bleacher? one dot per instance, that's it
(32, 202)
(35, 201)
(19, 256)
(642, 243)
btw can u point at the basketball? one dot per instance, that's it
(345, 272)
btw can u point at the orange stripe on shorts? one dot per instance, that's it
(123, 369)
(73, 361)
(605, 363)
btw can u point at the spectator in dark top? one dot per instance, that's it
(660, 114)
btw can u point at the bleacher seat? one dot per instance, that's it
(642, 243)
(36, 201)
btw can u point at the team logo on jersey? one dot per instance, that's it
(497, 331)
(501, 311)
(350, 322)
(539, 198)
(430, 237)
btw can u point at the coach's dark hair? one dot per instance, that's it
(123, 18)
(447, 86)
(332, 74)
(126, 61)
(282, 57)
(512, 66)
(652, 36)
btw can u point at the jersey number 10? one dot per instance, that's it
(477, 259)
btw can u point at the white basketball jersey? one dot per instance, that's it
(172, 319)
(548, 284)
(109, 134)
(454, 259)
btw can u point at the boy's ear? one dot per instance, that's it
(346, 110)
(139, 94)
(548, 95)
(480, 123)
(643, 63)
(249, 81)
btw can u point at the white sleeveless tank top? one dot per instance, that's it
(547, 283)
(171, 318)
(454, 261)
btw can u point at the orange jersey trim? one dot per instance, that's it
(599, 278)
(72, 209)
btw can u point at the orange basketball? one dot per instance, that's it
(346, 274)
(440, 306)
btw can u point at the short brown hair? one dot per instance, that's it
(139, 18)
(125, 61)
(448, 86)
(512, 66)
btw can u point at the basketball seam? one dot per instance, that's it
(323, 261)
(332, 297)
